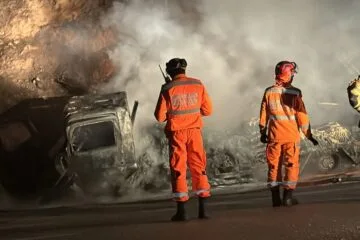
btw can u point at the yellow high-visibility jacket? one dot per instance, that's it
(353, 91)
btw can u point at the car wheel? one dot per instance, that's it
(328, 162)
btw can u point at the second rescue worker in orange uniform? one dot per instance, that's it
(182, 103)
(282, 114)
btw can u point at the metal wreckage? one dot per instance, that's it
(60, 145)
(48, 146)
(338, 150)
(238, 157)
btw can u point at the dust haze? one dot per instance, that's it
(233, 46)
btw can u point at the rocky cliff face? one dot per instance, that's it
(53, 47)
(58, 47)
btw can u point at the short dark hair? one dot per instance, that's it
(177, 71)
(176, 63)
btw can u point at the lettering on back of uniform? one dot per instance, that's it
(184, 100)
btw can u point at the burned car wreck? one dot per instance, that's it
(50, 145)
(238, 157)
(245, 159)
(100, 146)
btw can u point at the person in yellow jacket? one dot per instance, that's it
(354, 93)
(282, 114)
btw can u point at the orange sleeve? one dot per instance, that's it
(302, 117)
(206, 104)
(161, 109)
(264, 114)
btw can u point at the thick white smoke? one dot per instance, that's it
(233, 46)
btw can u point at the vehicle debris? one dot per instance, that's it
(48, 145)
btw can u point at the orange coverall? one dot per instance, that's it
(182, 103)
(282, 114)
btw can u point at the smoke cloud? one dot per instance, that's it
(233, 46)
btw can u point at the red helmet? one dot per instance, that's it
(285, 70)
(285, 66)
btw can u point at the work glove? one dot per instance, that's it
(313, 140)
(263, 138)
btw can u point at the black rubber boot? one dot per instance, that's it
(288, 199)
(202, 213)
(180, 213)
(275, 195)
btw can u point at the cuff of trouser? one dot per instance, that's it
(289, 185)
(285, 184)
(273, 184)
(203, 193)
(180, 197)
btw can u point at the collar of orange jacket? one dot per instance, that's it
(179, 76)
(282, 82)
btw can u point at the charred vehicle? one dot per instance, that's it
(49, 145)
(340, 146)
(100, 146)
(238, 156)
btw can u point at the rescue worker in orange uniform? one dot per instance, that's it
(282, 114)
(182, 103)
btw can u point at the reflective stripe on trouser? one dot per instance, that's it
(287, 154)
(186, 148)
(180, 196)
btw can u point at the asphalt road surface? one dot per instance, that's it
(326, 212)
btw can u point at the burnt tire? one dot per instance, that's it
(328, 162)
